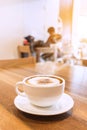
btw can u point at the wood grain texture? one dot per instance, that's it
(15, 62)
(76, 87)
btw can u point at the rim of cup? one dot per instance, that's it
(46, 86)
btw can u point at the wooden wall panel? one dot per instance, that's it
(66, 11)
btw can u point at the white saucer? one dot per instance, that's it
(65, 104)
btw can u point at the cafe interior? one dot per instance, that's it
(43, 65)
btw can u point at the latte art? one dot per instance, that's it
(43, 81)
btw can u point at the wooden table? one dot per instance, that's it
(76, 86)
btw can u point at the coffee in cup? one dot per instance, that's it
(42, 90)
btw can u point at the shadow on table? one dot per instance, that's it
(47, 118)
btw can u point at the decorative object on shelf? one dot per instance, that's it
(25, 42)
(53, 41)
(30, 42)
(54, 37)
(24, 51)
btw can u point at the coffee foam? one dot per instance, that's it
(43, 81)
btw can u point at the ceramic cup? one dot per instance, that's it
(42, 90)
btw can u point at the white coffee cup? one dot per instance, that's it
(42, 90)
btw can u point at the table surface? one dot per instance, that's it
(76, 86)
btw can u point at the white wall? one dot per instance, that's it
(11, 27)
(76, 8)
(79, 28)
(40, 15)
(19, 18)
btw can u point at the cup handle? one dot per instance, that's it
(17, 89)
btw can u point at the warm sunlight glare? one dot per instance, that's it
(82, 27)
